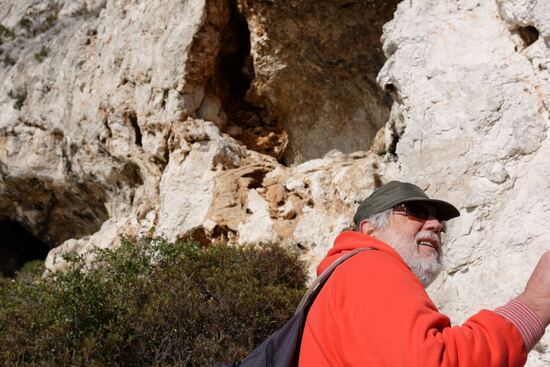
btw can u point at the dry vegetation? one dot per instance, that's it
(149, 303)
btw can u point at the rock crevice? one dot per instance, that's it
(269, 121)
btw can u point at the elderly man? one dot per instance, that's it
(373, 310)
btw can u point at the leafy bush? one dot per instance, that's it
(149, 303)
(5, 33)
(42, 54)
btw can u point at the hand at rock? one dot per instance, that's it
(537, 291)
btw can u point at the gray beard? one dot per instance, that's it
(425, 269)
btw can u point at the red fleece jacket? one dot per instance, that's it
(373, 311)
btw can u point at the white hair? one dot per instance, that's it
(379, 220)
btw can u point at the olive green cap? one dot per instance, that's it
(395, 192)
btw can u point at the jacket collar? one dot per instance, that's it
(348, 241)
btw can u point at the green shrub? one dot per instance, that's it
(41, 56)
(150, 303)
(5, 33)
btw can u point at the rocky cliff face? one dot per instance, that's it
(270, 121)
(472, 80)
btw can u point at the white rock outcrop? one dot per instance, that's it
(474, 100)
(180, 119)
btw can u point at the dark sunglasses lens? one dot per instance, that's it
(418, 211)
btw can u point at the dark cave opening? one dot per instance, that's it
(18, 246)
(131, 117)
(528, 34)
(249, 123)
(323, 93)
(235, 66)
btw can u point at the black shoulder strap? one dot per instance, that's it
(318, 283)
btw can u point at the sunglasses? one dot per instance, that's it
(414, 210)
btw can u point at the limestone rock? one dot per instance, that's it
(474, 105)
(89, 94)
(270, 121)
(104, 106)
(187, 184)
(527, 13)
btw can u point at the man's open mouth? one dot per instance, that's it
(428, 242)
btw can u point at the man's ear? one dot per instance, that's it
(366, 227)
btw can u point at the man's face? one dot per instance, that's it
(415, 233)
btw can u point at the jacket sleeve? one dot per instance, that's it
(385, 318)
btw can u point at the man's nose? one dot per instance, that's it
(433, 224)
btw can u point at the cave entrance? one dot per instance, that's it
(18, 246)
(250, 123)
(315, 75)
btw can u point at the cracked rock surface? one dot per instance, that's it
(269, 121)
(473, 96)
